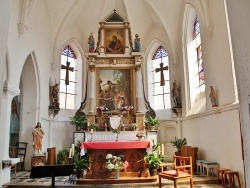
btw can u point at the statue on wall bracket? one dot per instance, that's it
(176, 99)
(54, 106)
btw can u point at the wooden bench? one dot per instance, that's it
(183, 170)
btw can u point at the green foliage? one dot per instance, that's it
(153, 160)
(178, 142)
(155, 146)
(82, 164)
(93, 126)
(79, 121)
(150, 121)
(62, 156)
(133, 126)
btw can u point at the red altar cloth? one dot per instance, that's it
(116, 145)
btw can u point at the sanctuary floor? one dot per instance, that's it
(22, 180)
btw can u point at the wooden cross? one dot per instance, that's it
(161, 69)
(67, 68)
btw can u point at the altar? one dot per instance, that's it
(133, 152)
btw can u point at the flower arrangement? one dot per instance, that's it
(102, 108)
(115, 162)
(128, 108)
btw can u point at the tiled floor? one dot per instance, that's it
(23, 180)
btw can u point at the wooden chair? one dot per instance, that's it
(182, 170)
(21, 154)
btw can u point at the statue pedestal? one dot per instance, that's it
(38, 160)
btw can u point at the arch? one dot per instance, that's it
(30, 101)
(82, 69)
(193, 101)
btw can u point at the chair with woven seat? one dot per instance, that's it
(182, 170)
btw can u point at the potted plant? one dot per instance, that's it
(133, 126)
(93, 126)
(79, 121)
(81, 165)
(153, 161)
(151, 122)
(177, 143)
(62, 156)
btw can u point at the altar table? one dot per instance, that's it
(133, 152)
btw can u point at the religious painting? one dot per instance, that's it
(114, 41)
(114, 89)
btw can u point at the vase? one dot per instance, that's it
(117, 173)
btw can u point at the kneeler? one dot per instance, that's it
(182, 170)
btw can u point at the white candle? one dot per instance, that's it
(73, 149)
(70, 152)
(92, 131)
(162, 149)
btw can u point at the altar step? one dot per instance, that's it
(120, 180)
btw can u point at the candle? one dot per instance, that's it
(73, 149)
(92, 131)
(162, 149)
(70, 152)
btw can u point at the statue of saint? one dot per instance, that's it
(137, 43)
(91, 42)
(176, 95)
(213, 96)
(37, 138)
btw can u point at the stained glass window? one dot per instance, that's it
(161, 94)
(68, 72)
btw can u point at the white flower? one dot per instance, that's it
(109, 156)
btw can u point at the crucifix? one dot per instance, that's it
(67, 68)
(161, 69)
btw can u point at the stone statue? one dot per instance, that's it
(37, 138)
(213, 97)
(137, 43)
(91, 42)
(176, 95)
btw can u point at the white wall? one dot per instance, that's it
(217, 137)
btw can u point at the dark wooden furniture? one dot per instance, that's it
(133, 152)
(21, 154)
(229, 176)
(51, 171)
(188, 151)
(183, 169)
(51, 159)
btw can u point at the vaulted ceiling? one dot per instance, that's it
(151, 19)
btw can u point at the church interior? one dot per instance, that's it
(127, 80)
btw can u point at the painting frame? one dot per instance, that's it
(114, 40)
(114, 88)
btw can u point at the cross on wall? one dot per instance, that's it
(67, 68)
(161, 69)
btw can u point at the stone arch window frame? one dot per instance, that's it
(69, 53)
(160, 53)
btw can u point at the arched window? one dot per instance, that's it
(193, 68)
(160, 80)
(68, 79)
(199, 76)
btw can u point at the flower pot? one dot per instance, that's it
(152, 128)
(152, 171)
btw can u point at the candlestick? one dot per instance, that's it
(70, 152)
(73, 149)
(91, 137)
(162, 149)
